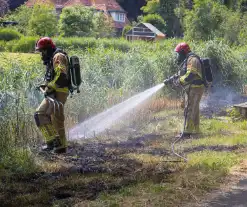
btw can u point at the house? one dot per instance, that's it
(144, 31)
(109, 7)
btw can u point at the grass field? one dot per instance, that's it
(133, 168)
(131, 165)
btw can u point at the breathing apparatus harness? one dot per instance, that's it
(73, 78)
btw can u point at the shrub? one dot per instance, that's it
(25, 44)
(2, 45)
(76, 21)
(126, 29)
(8, 34)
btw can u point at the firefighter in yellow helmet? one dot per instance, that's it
(49, 116)
(190, 78)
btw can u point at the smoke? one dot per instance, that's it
(218, 98)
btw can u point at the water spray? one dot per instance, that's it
(101, 122)
(106, 119)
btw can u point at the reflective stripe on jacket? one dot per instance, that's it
(193, 75)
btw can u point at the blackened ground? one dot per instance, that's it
(84, 172)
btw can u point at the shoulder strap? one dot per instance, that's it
(58, 50)
(193, 55)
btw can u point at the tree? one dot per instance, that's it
(76, 21)
(43, 21)
(21, 15)
(166, 9)
(3, 7)
(155, 20)
(205, 20)
(102, 25)
(151, 7)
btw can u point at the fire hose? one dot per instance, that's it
(173, 80)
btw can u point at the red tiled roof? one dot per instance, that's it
(101, 7)
(110, 4)
(32, 2)
(54, 2)
(78, 2)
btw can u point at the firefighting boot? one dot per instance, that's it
(49, 133)
(59, 146)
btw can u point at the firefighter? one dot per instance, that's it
(190, 78)
(49, 116)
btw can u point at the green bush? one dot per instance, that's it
(25, 44)
(2, 46)
(126, 29)
(8, 34)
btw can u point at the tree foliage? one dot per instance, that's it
(102, 25)
(43, 21)
(204, 20)
(155, 20)
(166, 9)
(213, 19)
(39, 20)
(76, 21)
(21, 15)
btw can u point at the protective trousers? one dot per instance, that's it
(49, 117)
(191, 112)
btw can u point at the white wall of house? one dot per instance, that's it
(118, 16)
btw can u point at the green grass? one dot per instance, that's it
(204, 171)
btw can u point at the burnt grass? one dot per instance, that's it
(85, 171)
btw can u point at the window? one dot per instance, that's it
(120, 17)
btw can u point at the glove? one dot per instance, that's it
(39, 87)
(176, 82)
(48, 91)
(45, 90)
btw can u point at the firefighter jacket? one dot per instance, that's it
(193, 72)
(57, 73)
